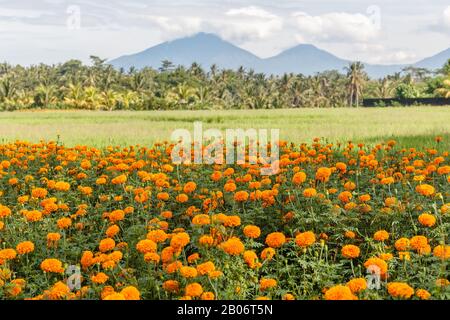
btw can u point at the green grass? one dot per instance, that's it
(412, 126)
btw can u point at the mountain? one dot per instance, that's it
(207, 49)
(304, 58)
(435, 62)
(203, 48)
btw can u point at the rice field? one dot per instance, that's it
(413, 126)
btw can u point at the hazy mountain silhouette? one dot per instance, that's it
(203, 48)
(207, 49)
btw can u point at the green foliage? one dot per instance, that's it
(406, 90)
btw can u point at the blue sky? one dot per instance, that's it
(384, 31)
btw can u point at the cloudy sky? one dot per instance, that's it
(374, 31)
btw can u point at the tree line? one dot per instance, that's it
(74, 85)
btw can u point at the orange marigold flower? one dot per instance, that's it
(299, 178)
(305, 239)
(25, 247)
(206, 240)
(400, 290)
(173, 267)
(350, 234)
(364, 198)
(341, 166)
(207, 296)
(157, 236)
(201, 219)
(376, 265)
(423, 294)
(205, 268)
(345, 196)
(4, 211)
(418, 242)
(350, 251)
(64, 223)
(425, 189)
(229, 187)
(339, 293)
(182, 198)
(152, 257)
(53, 237)
(146, 246)
(349, 186)
(52, 265)
(7, 254)
(381, 235)
(241, 196)
(114, 296)
(288, 296)
(112, 231)
(119, 179)
(402, 244)
(87, 259)
(267, 253)
(442, 252)
(275, 239)
(189, 187)
(171, 286)
(252, 231)
(116, 215)
(323, 174)
(389, 202)
(179, 240)
(164, 196)
(107, 244)
(267, 283)
(62, 186)
(358, 284)
(232, 221)
(100, 278)
(39, 193)
(188, 272)
(386, 256)
(233, 246)
(193, 290)
(309, 192)
(427, 220)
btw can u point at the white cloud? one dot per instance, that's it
(247, 24)
(176, 26)
(400, 57)
(240, 25)
(21, 13)
(251, 11)
(446, 17)
(336, 27)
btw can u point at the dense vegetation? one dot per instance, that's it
(72, 85)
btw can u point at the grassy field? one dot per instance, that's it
(414, 126)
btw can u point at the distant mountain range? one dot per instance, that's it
(208, 49)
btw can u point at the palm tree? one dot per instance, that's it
(384, 88)
(7, 88)
(444, 91)
(356, 79)
(45, 95)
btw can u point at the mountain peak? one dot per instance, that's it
(207, 49)
(204, 48)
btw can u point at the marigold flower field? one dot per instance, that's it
(140, 227)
